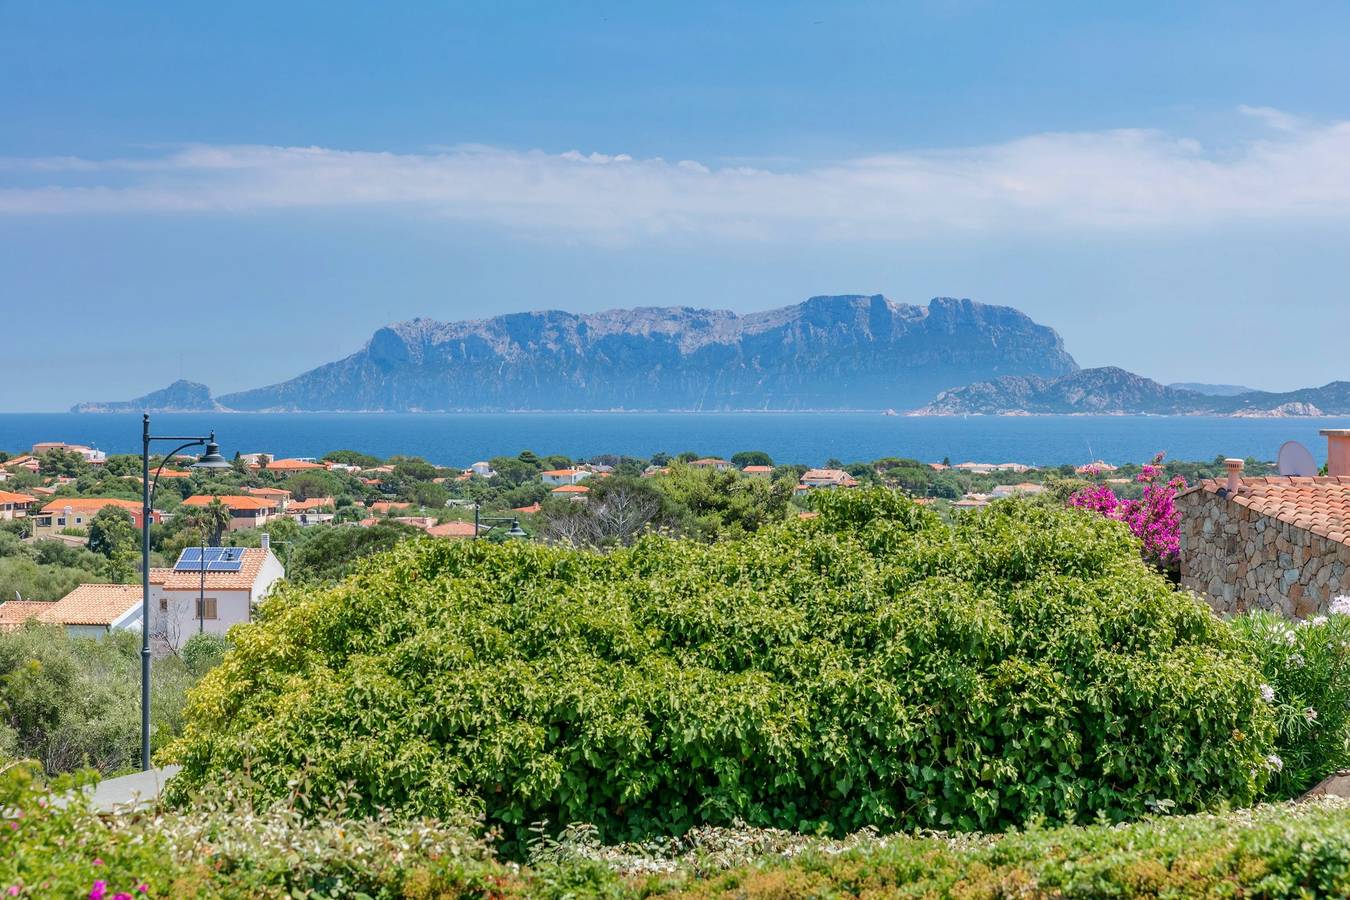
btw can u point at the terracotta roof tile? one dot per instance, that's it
(93, 604)
(90, 504)
(1318, 504)
(292, 465)
(14, 613)
(233, 501)
(243, 580)
(11, 497)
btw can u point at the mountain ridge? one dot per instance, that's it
(181, 396)
(848, 351)
(1110, 390)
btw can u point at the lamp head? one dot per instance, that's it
(211, 459)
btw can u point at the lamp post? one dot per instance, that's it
(514, 532)
(211, 459)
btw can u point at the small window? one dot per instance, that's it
(163, 604)
(210, 608)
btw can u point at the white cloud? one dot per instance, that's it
(1128, 180)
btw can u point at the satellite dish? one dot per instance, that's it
(1295, 459)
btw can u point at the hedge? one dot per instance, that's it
(869, 668)
(229, 849)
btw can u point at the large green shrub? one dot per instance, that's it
(868, 667)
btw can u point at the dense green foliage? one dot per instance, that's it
(46, 569)
(869, 667)
(226, 848)
(1307, 669)
(70, 703)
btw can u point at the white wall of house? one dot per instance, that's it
(175, 612)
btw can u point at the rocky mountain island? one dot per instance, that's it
(836, 352)
(1110, 390)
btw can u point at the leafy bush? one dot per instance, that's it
(1307, 670)
(71, 703)
(867, 667)
(1271, 852)
(202, 652)
(228, 849)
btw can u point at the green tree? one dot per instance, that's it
(751, 458)
(113, 535)
(209, 521)
(333, 553)
(353, 458)
(313, 483)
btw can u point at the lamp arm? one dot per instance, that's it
(165, 461)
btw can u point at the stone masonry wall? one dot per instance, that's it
(1238, 559)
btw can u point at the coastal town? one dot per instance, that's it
(271, 508)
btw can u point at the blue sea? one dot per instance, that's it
(811, 438)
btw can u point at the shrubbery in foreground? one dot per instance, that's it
(871, 667)
(228, 849)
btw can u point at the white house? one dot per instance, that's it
(93, 610)
(482, 469)
(235, 579)
(556, 477)
(185, 600)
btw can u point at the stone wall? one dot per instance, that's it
(1238, 559)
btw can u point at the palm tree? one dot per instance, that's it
(211, 519)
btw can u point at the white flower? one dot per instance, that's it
(1340, 606)
(1296, 660)
(1290, 638)
(1310, 714)
(1275, 762)
(1267, 693)
(1319, 620)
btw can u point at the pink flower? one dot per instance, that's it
(121, 895)
(13, 890)
(99, 889)
(142, 888)
(1154, 519)
(97, 861)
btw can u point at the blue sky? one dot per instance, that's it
(237, 192)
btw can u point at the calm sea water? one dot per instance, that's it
(459, 439)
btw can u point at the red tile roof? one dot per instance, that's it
(14, 613)
(10, 497)
(571, 489)
(291, 465)
(243, 580)
(93, 604)
(313, 503)
(90, 504)
(452, 530)
(233, 501)
(1319, 504)
(532, 508)
(757, 469)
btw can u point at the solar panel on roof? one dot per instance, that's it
(210, 559)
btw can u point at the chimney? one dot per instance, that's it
(266, 541)
(1234, 474)
(1338, 450)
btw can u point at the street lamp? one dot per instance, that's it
(515, 532)
(211, 459)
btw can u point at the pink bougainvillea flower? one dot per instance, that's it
(1154, 519)
(98, 891)
(142, 888)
